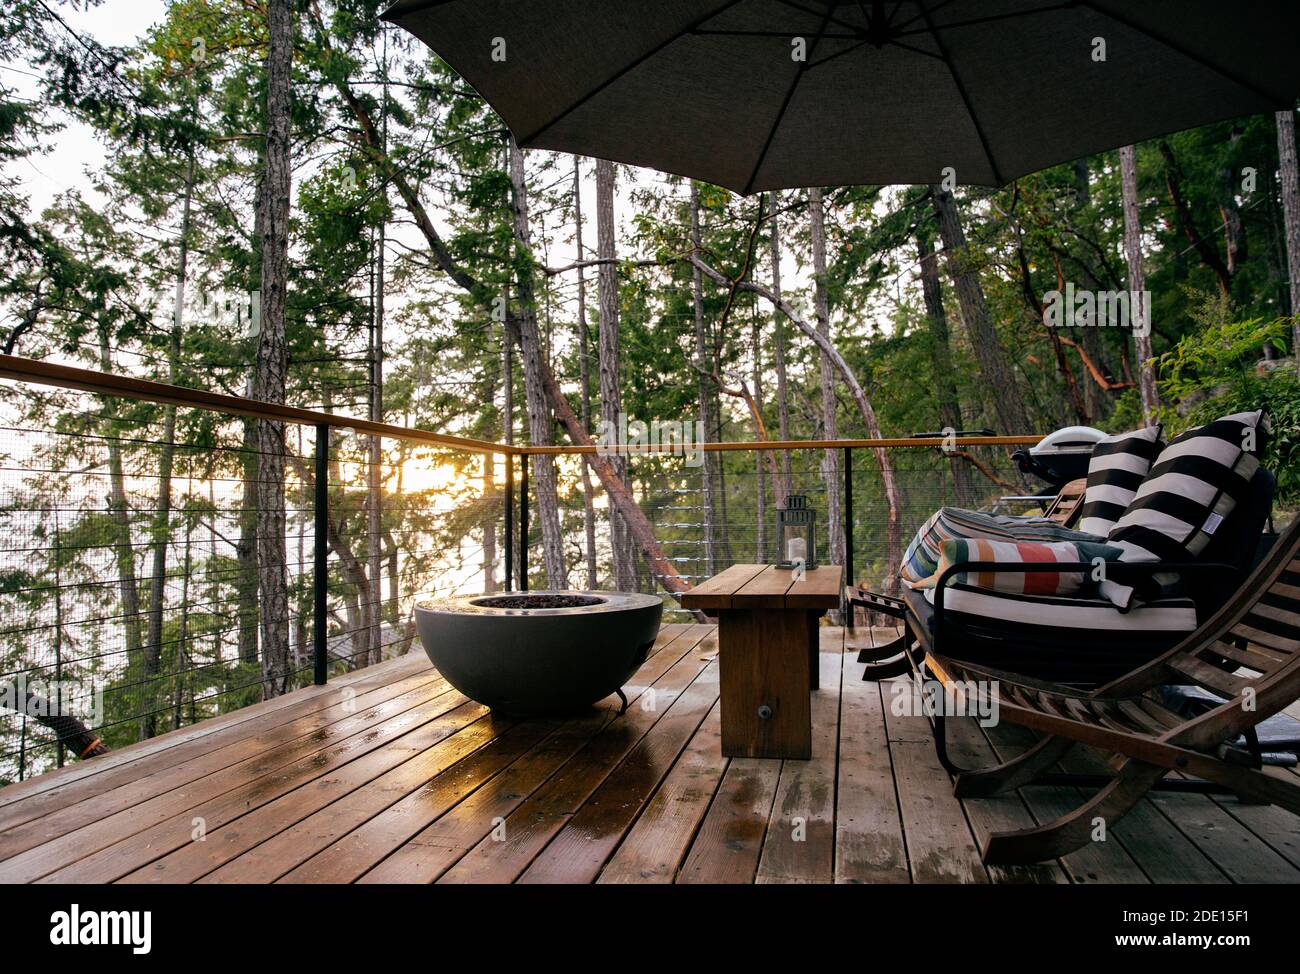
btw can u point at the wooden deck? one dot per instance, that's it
(389, 775)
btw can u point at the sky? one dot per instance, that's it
(75, 149)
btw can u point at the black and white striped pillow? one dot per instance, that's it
(1116, 470)
(1194, 484)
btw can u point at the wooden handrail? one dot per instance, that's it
(108, 384)
(22, 369)
(768, 445)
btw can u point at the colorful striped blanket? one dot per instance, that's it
(922, 557)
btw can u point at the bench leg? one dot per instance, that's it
(814, 651)
(766, 682)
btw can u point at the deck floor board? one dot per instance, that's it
(389, 775)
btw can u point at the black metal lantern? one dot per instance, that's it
(796, 533)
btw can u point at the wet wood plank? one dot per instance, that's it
(590, 836)
(656, 845)
(800, 842)
(240, 758)
(869, 845)
(390, 775)
(443, 839)
(730, 840)
(65, 852)
(940, 845)
(510, 848)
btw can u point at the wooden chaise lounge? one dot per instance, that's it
(1247, 654)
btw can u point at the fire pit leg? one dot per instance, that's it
(622, 696)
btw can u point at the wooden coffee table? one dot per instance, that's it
(767, 653)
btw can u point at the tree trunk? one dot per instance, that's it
(760, 485)
(1235, 241)
(519, 556)
(272, 352)
(779, 350)
(161, 536)
(1137, 283)
(611, 396)
(883, 462)
(704, 399)
(166, 462)
(945, 388)
(1203, 245)
(372, 611)
(119, 512)
(183, 627)
(1286, 153)
(489, 524)
(539, 415)
(994, 364)
(246, 547)
(830, 430)
(584, 378)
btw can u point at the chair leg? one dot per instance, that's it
(938, 724)
(875, 654)
(1075, 830)
(887, 669)
(1020, 770)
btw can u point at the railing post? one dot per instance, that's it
(510, 523)
(523, 522)
(320, 573)
(847, 611)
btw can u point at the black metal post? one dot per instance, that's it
(510, 523)
(523, 522)
(847, 612)
(320, 573)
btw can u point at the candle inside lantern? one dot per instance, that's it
(796, 549)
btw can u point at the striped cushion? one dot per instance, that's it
(921, 559)
(1020, 552)
(1062, 639)
(1194, 484)
(1117, 468)
(1075, 615)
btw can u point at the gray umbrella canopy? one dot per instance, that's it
(770, 94)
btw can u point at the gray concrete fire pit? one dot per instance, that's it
(539, 653)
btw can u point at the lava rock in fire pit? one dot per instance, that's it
(536, 601)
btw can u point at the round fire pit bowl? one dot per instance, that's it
(539, 654)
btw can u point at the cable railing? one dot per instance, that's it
(139, 592)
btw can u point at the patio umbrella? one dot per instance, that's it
(770, 94)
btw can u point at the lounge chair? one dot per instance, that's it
(1080, 640)
(1247, 655)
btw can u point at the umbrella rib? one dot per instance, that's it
(923, 14)
(961, 90)
(809, 10)
(1179, 49)
(831, 57)
(803, 67)
(916, 50)
(993, 18)
(628, 67)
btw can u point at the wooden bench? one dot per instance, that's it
(767, 653)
